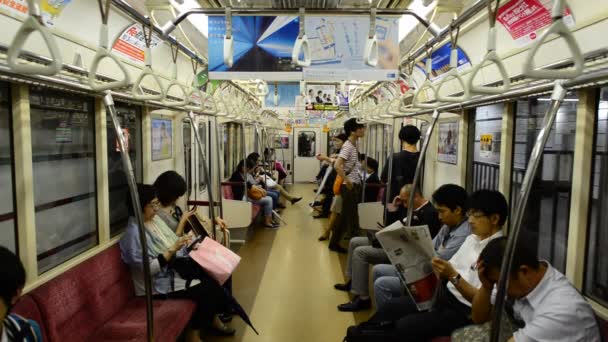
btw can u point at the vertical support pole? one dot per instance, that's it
(389, 179)
(366, 152)
(24, 186)
(506, 149)
(146, 143)
(128, 169)
(103, 190)
(205, 173)
(219, 166)
(581, 183)
(559, 93)
(244, 151)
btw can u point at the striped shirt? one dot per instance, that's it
(351, 162)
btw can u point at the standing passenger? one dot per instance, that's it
(404, 166)
(347, 167)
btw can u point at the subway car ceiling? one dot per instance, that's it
(231, 76)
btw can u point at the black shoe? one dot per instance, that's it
(225, 331)
(343, 287)
(357, 304)
(296, 200)
(321, 216)
(226, 317)
(337, 248)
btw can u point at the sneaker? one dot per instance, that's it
(343, 287)
(357, 304)
(272, 226)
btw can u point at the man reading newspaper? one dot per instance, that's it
(451, 310)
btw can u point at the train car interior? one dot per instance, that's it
(303, 170)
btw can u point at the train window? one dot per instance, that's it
(63, 153)
(202, 131)
(483, 168)
(129, 117)
(307, 144)
(548, 210)
(596, 277)
(7, 209)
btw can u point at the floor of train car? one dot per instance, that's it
(285, 281)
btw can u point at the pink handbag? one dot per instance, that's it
(217, 260)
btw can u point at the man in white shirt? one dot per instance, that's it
(488, 211)
(542, 297)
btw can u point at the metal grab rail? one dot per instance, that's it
(559, 93)
(453, 73)
(228, 40)
(490, 57)
(370, 52)
(104, 52)
(205, 173)
(136, 91)
(176, 83)
(135, 202)
(425, 146)
(558, 27)
(32, 24)
(301, 44)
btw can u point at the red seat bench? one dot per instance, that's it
(227, 194)
(95, 301)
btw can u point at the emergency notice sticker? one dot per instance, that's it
(131, 43)
(524, 18)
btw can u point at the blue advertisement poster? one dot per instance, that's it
(262, 48)
(337, 47)
(285, 92)
(441, 61)
(162, 139)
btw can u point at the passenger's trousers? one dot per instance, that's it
(360, 255)
(349, 220)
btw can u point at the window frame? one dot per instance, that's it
(11, 142)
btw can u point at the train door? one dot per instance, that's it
(283, 147)
(307, 145)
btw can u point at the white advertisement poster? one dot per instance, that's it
(447, 148)
(162, 139)
(131, 43)
(337, 47)
(49, 9)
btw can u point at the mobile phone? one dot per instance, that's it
(194, 242)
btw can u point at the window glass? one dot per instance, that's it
(63, 153)
(307, 144)
(129, 117)
(484, 166)
(202, 133)
(596, 277)
(548, 208)
(7, 209)
(187, 151)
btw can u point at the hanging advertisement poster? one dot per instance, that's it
(281, 142)
(337, 45)
(441, 62)
(131, 44)
(325, 97)
(49, 9)
(262, 48)
(447, 148)
(282, 95)
(524, 18)
(162, 139)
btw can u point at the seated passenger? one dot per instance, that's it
(387, 285)
(371, 192)
(240, 175)
(164, 250)
(14, 328)
(551, 308)
(452, 310)
(170, 186)
(362, 252)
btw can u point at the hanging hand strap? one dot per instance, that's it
(427, 84)
(175, 83)
(33, 23)
(228, 40)
(453, 74)
(137, 90)
(491, 57)
(370, 53)
(559, 28)
(301, 44)
(104, 52)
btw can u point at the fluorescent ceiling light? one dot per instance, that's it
(199, 21)
(407, 23)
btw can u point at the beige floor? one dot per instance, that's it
(285, 281)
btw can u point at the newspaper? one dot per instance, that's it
(410, 250)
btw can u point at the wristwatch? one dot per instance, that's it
(455, 279)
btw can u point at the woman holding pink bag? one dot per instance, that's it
(165, 248)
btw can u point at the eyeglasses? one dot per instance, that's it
(476, 214)
(155, 204)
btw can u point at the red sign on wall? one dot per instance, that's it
(524, 18)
